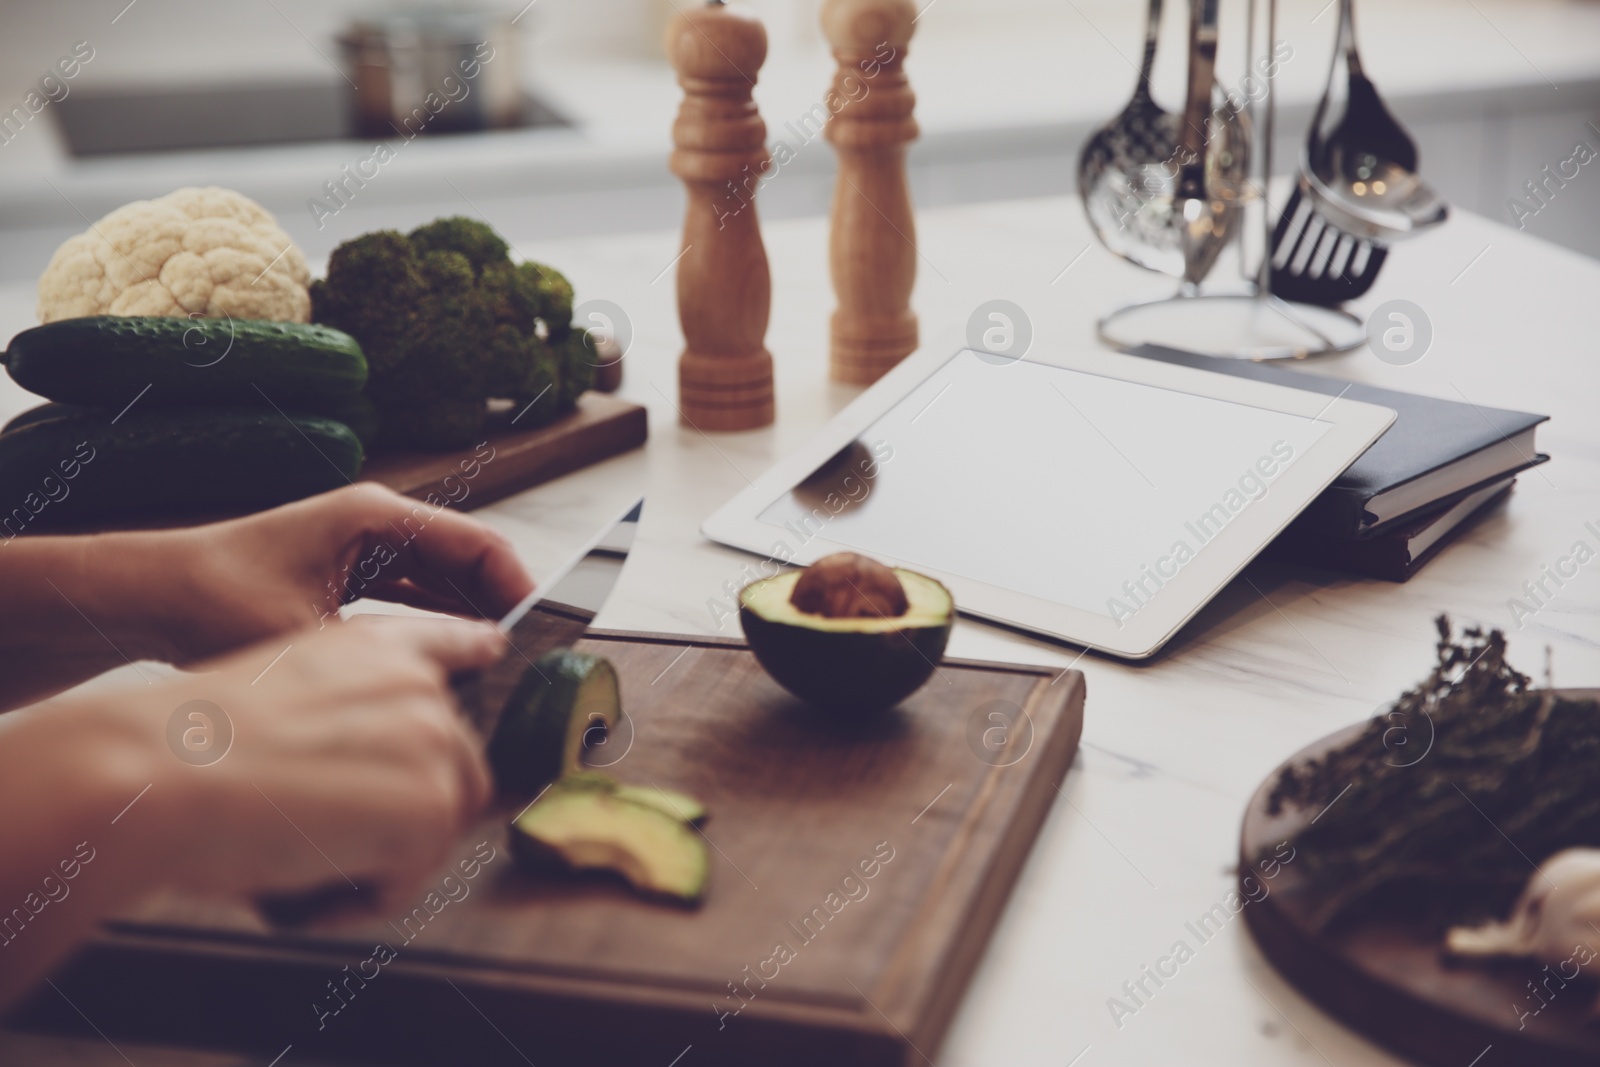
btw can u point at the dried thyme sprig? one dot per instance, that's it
(1510, 776)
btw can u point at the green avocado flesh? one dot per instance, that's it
(559, 704)
(848, 665)
(680, 806)
(577, 826)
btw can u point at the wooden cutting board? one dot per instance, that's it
(1393, 983)
(856, 874)
(508, 462)
(514, 460)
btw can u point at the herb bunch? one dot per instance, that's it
(1443, 805)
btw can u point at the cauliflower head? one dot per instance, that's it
(209, 252)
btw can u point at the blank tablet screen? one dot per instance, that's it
(1055, 483)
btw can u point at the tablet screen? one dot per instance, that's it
(1077, 488)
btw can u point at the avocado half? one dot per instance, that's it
(841, 656)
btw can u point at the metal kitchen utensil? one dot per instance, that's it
(1129, 170)
(1118, 164)
(567, 585)
(1203, 211)
(581, 586)
(1358, 189)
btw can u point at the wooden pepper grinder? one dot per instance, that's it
(871, 246)
(724, 288)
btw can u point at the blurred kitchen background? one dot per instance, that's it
(1494, 91)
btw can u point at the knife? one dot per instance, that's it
(577, 589)
(607, 548)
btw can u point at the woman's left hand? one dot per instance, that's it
(294, 566)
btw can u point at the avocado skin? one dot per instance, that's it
(529, 748)
(839, 672)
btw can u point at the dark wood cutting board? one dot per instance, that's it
(507, 462)
(940, 800)
(514, 460)
(1393, 983)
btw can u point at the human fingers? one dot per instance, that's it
(443, 550)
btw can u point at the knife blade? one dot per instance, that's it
(608, 548)
(576, 589)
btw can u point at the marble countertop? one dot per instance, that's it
(1144, 836)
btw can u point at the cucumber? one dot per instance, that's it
(108, 360)
(87, 468)
(355, 412)
(44, 413)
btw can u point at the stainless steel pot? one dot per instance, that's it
(429, 70)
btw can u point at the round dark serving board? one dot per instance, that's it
(1394, 984)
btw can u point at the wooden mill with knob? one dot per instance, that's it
(724, 287)
(872, 247)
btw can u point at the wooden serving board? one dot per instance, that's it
(1393, 983)
(514, 460)
(938, 801)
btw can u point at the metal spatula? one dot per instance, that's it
(1358, 190)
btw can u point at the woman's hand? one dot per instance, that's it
(72, 607)
(348, 761)
(293, 566)
(348, 738)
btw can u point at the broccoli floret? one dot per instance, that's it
(448, 323)
(473, 239)
(577, 361)
(373, 288)
(538, 398)
(551, 298)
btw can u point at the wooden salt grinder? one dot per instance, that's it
(724, 288)
(871, 245)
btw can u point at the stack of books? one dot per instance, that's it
(1442, 466)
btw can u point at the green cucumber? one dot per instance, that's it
(109, 360)
(44, 413)
(356, 412)
(95, 468)
(543, 729)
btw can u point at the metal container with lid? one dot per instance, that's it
(432, 70)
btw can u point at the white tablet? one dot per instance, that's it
(1100, 499)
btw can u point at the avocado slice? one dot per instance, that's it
(680, 806)
(549, 717)
(848, 634)
(577, 826)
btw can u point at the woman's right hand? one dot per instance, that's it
(348, 760)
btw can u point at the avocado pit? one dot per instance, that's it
(847, 585)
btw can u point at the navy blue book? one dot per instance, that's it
(1438, 452)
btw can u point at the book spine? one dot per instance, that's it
(1336, 513)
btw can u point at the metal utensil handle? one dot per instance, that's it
(1347, 36)
(1152, 31)
(1197, 109)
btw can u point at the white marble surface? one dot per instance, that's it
(1144, 836)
